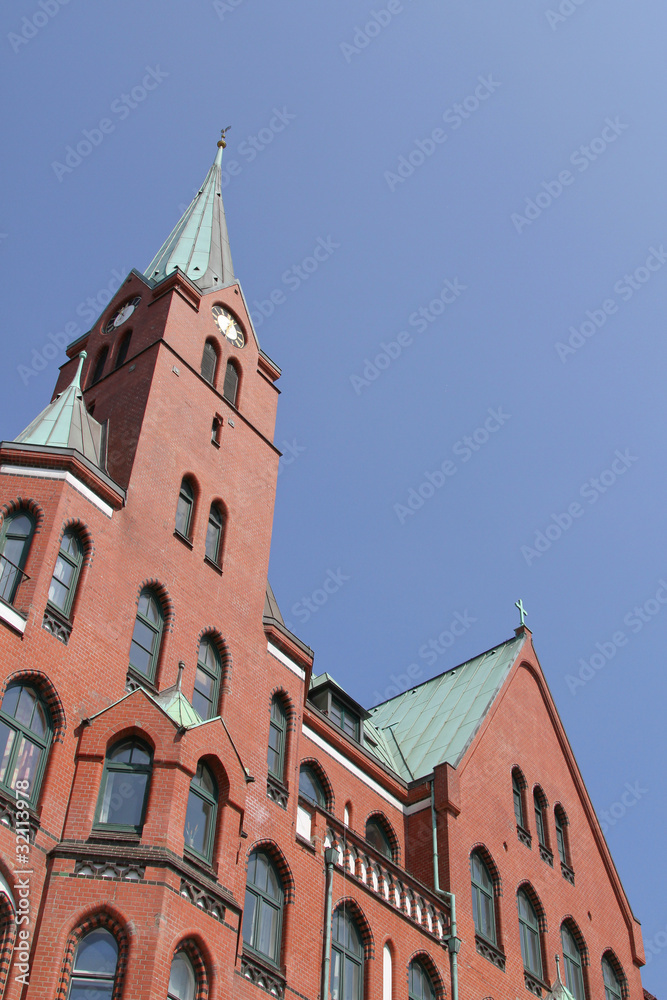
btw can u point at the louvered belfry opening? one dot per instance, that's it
(209, 362)
(231, 388)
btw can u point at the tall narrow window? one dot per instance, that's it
(15, 538)
(540, 810)
(612, 983)
(123, 348)
(574, 979)
(25, 738)
(347, 958)
(262, 917)
(184, 507)
(420, 986)
(561, 837)
(378, 837)
(182, 982)
(529, 930)
(66, 573)
(125, 785)
(94, 969)
(207, 680)
(310, 786)
(146, 637)
(277, 729)
(209, 362)
(517, 790)
(214, 533)
(483, 902)
(99, 365)
(201, 813)
(231, 387)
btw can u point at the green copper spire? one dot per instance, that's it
(66, 423)
(199, 245)
(176, 705)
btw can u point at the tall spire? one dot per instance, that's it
(199, 244)
(66, 423)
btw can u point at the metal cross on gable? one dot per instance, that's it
(522, 611)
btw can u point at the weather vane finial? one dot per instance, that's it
(522, 611)
(223, 133)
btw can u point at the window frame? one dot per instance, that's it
(213, 353)
(215, 509)
(517, 792)
(321, 799)
(425, 976)
(215, 673)
(22, 730)
(179, 956)
(122, 768)
(76, 566)
(345, 714)
(212, 799)
(278, 725)
(100, 364)
(18, 568)
(86, 977)
(526, 928)
(232, 398)
(573, 960)
(158, 631)
(376, 823)
(612, 991)
(345, 953)
(478, 889)
(264, 899)
(562, 845)
(185, 507)
(540, 807)
(122, 350)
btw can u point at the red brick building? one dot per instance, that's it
(186, 811)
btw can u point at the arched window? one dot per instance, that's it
(574, 978)
(262, 917)
(387, 973)
(347, 958)
(612, 983)
(561, 836)
(201, 813)
(377, 836)
(66, 573)
(310, 786)
(125, 784)
(214, 534)
(25, 738)
(99, 365)
(231, 387)
(209, 362)
(277, 731)
(182, 981)
(483, 902)
(184, 507)
(15, 538)
(207, 680)
(518, 785)
(123, 348)
(147, 634)
(94, 969)
(420, 986)
(529, 929)
(540, 814)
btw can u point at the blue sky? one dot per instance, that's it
(499, 167)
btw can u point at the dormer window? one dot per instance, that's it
(346, 720)
(332, 701)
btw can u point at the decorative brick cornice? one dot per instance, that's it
(262, 974)
(490, 951)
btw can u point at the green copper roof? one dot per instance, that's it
(176, 705)
(66, 423)
(199, 244)
(436, 722)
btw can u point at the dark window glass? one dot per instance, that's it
(231, 387)
(612, 984)
(66, 573)
(377, 836)
(186, 500)
(182, 982)
(276, 750)
(262, 918)
(347, 959)
(529, 929)
(561, 822)
(518, 800)
(94, 970)
(574, 979)
(99, 365)
(209, 362)
(539, 818)
(420, 986)
(207, 680)
(214, 533)
(215, 430)
(344, 719)
(25, 736)
(483, 903)
(15, 538)
(123, 349)
(125, 784)
(310, 786)
(201, 813)
(146, 636)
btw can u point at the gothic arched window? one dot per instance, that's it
(182, 980)
(184, 508)
(145, 647)
(561, 836)
(15, 539)
(25, 738)
(420, 986)
(347, 958)
(518, 786)
(125, 785)
(214, 534)
(209, 362)
(231, 386)
(99, 365)
(310, 786)
(574, 978)
(123, 348)
(262, 917)
(277, 733)
(201, 813)
(377, 835)
(483, 901)
(66, 573)
(529, 928)
(207, 680)
(94, 969)
(612, 983)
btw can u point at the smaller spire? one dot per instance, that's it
(66, 423)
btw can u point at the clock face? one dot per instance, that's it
(122, 315)
(228, 326)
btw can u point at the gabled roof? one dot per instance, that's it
(199, 243)
(436, 722)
